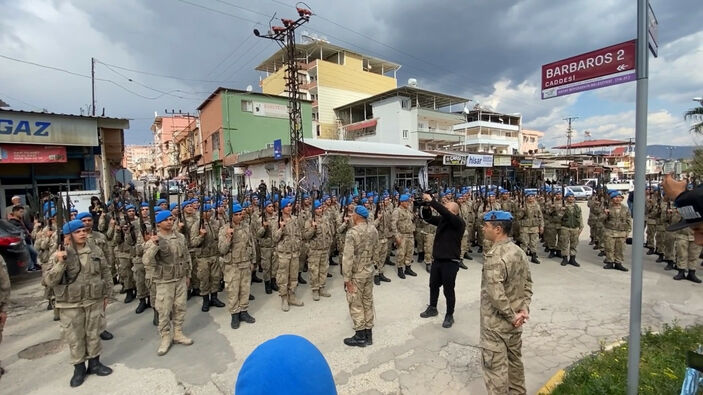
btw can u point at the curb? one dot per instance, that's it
(558, 377)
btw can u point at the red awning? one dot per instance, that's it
(360, 125)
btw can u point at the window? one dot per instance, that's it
(215, 141)
(405, 134)
(405, 104)
(318, 130)
(247, 106)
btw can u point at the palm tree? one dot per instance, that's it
(696, 115)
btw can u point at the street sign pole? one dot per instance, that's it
(642, 66)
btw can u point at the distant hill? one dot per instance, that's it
(662, 151)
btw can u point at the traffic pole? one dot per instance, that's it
(642, 66)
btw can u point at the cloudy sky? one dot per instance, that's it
(488, 51)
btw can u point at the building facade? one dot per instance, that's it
(490, 132)
(167, 164)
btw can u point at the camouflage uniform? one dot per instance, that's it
(384, 227)
(618, 224)
(288, 240)
(652, 210)
(99, 241)
(81, 283)
(207, 263)
(660, 227)
(596, 216)
(552, 225)
(264, 236)
(531, 221)
(687, 251)
(319, 239)
(429, 231)
(138, 270)
(357, 268)
(192, 223)
(571, 226)
(403, 227)
(506, 289)
(419, 235)
(469, 216)
(238, 250)
(124, 251)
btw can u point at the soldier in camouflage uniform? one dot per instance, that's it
(429, 231)
(618, 224)
(288, 238)
(385, 238)
(208, 268)
(358, 269)
(652, 211)
(191, 230)
(669, 217)
(166, 256)
(687, 253)
(403, 227)
(236, 243)
(4, 298)
(80, 278)
(552, 225)
(490, 205)
(532, 225)
(571, 227)
(304, 214)
(319, 237)
(506, 293)
(660, 227)
(124, 252)
(419, 237)
(264, 234)
(46, 246)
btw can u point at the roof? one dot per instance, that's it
(426, 99)
(64, 114)
(367, 148)
(619, 151)
(530, 132)
(221, 89)
(317, 47)
(593, 144)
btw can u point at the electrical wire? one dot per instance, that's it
(169, 93)
(220, 12)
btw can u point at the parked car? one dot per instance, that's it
(580, 191)
(13, 248)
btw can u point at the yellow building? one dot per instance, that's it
(330, 76)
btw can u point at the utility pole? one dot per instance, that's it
(92, 83)
(569, 134)
(284, 36)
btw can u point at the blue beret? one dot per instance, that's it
(144, 204)
(161, 201)
(306, 196)
(73, 210)
(375, 199)
(207, 207)
(285, 202)
(172, 206)
(268, 203)
(497, 216)
(84, 214)
(361, 210)
(72, 226)
(364, 201)
(245, 204)
(569, 193)
(287, 361)
(236, 208)
(404, 197)
(316, 204)
(184, 204)
(129, 207)
(615, 194)
(206, 199)
(491, 193)
(162, 216)
(50, 213)
(530, 193)
(157, 209)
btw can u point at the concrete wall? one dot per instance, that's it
(210, 122)
(392, 120)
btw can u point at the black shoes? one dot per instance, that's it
(79, 373)
(234, 324)
(552, 254)
(660, 258)
(431, 311)
(564, 261)
(142, 306)
(401, 274)
(410, 271)
(214, 301)
(608, 266)
(274, 286)
(427, 267)
(97, 368)
(692, 277)
(619, 266)
(105, 335)
(462, 266)
(376, 280)
(680, 275)
(251, 297)
(534, 258)
(467, 256)
(244, 316)
(300, 279)
(131, 294)
(369, 337)
(383, 278)
(206, 304)
(549, 250)
(254, 278)
(650, 251)
(421, 257)
(670, 265)
(267, 287)
(155, 321)
(602, 253)
(448, 321)
(572, 261)
(358, 340)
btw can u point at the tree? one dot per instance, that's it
(696, 167)
(340, 172)
(695, 115)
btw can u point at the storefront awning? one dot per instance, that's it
(360, 125)
(362, 149)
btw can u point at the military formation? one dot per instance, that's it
(163, 254)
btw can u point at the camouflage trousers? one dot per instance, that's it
(171, 298)
(318, 266)
(81, 330)
(209, 273)
(379, 258)
(597, 234)
(660, 232)
(194, 280)
(530, 239)
(303, 257)
(551, 233)
(429, 242)
(465, 243)
(687, 253)
(669, 241)
(651, 234)
(568, 241)
(268, 264)
(613, 247)
(125, 271)
(111, 260)
(140, 278)
(287, 274)
(404, 253)
(501, 354)
(361, 303)
(419, 240)
(238, 286)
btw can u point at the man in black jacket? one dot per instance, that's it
(446, 254)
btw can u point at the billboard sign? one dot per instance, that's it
(17, 153)
(454, 160)
(47, 129)
(271, 110)
(477, 160)
(592, 70)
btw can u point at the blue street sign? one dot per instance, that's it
(277, 149)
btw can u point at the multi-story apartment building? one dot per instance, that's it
(490, 132)
(330, 76)
(530, 141)
(138, 159)
(167, 162)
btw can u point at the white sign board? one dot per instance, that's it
(45, 129)
(271, 110)
(477, 160)
(80, 200)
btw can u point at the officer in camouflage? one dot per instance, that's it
(288, 238)
(318, 234)
(506, 293)
(617, 225)
(403, 226)
(571, 227)
(208, 269)
(531, 225)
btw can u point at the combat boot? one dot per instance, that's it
(206, 304)
(466, 255)
(234, 324)
(421, 257)
(155, 321)
(284, 303)
(164, 345)
(534, 258)
(469, 251)
(602, 253)
(369, 337)
(572, 261)
(331, 261)
(142, 306)
(552, 254)
(590, 243)
(596, 246)
(680, 275)
(608, 265)
(97, 368)
(480, 249)
(251, 297)
(180, 338)
(79, 373)
(670, 265)
(254, 278)
(448, 321)
(557, 253)
(244, 316)
(463, 266)
(376, 280)
(650, 251)
(619, 266)
(400, 273)
(301, 280)
(549, 250)
(324, 293)
(660, 258)
(427, 267)
(214, 301)
(105, 335)
(293, 301)
(430, 311)
(329, 275)
(692, 277)
(131, 294)
(274, 285)
(564, 261)
(315, 295)
(383, 278)
(409, 271)
(267, 287)
(358, 340)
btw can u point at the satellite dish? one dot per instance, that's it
(249, 88)
(466, 109)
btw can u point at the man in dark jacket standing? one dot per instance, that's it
(446, 254)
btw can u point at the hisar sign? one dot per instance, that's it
(592, 70)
